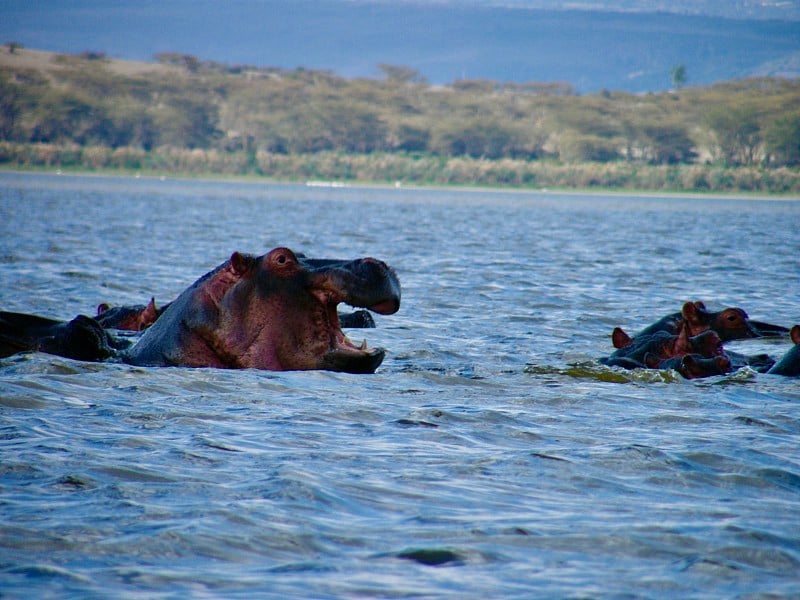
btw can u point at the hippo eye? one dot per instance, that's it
(281, 258)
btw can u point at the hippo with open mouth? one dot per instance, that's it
(276, 312)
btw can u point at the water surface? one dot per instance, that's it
(489, 456)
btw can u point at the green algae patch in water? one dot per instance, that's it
(595, 371)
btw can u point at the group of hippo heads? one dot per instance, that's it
(276, 312)
(279, 312)
(691, 343)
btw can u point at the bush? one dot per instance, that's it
(783, 140)
(576, 147)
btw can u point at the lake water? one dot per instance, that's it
(489, 456)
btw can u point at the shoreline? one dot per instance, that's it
(400, 186)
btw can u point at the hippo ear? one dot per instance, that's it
(102, 307)
(689, 311)
(149, 314)
(619, 338)
(242, 263)
(695, 314)
(795, 334)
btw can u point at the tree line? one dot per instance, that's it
(190, 104)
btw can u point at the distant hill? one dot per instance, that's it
(503, 40)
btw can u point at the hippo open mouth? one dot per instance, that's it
(366, 283)
(344, 355)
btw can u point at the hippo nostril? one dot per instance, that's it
(370, 267)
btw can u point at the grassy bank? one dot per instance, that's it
(406, 169)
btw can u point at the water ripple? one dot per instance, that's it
(491, 455)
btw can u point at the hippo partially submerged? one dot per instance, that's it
(129, 318)
(82, 338)
(276, 312)
(691, 366)
(789, 365)
(728, 323)
(690, 342)
(662, 345)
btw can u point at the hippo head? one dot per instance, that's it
(729, 323)
(694, 366)
(291, 302)
(128, 318)
(275, 312)
(706, 344)
(691, 366)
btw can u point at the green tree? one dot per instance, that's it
(574, 146)
(678, 76)
(64, 116)
(11, 108)
(737, 133)
(353, 128)
(782, 140)
(478, 138)
(186, 123)
(131, 125)
(592, 116)
(661, 142)
(410, 138)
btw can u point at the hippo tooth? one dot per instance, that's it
(363, 345)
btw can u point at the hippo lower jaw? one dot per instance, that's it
(344, 355)
(356, 361)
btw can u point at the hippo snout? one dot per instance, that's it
(381, 289)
